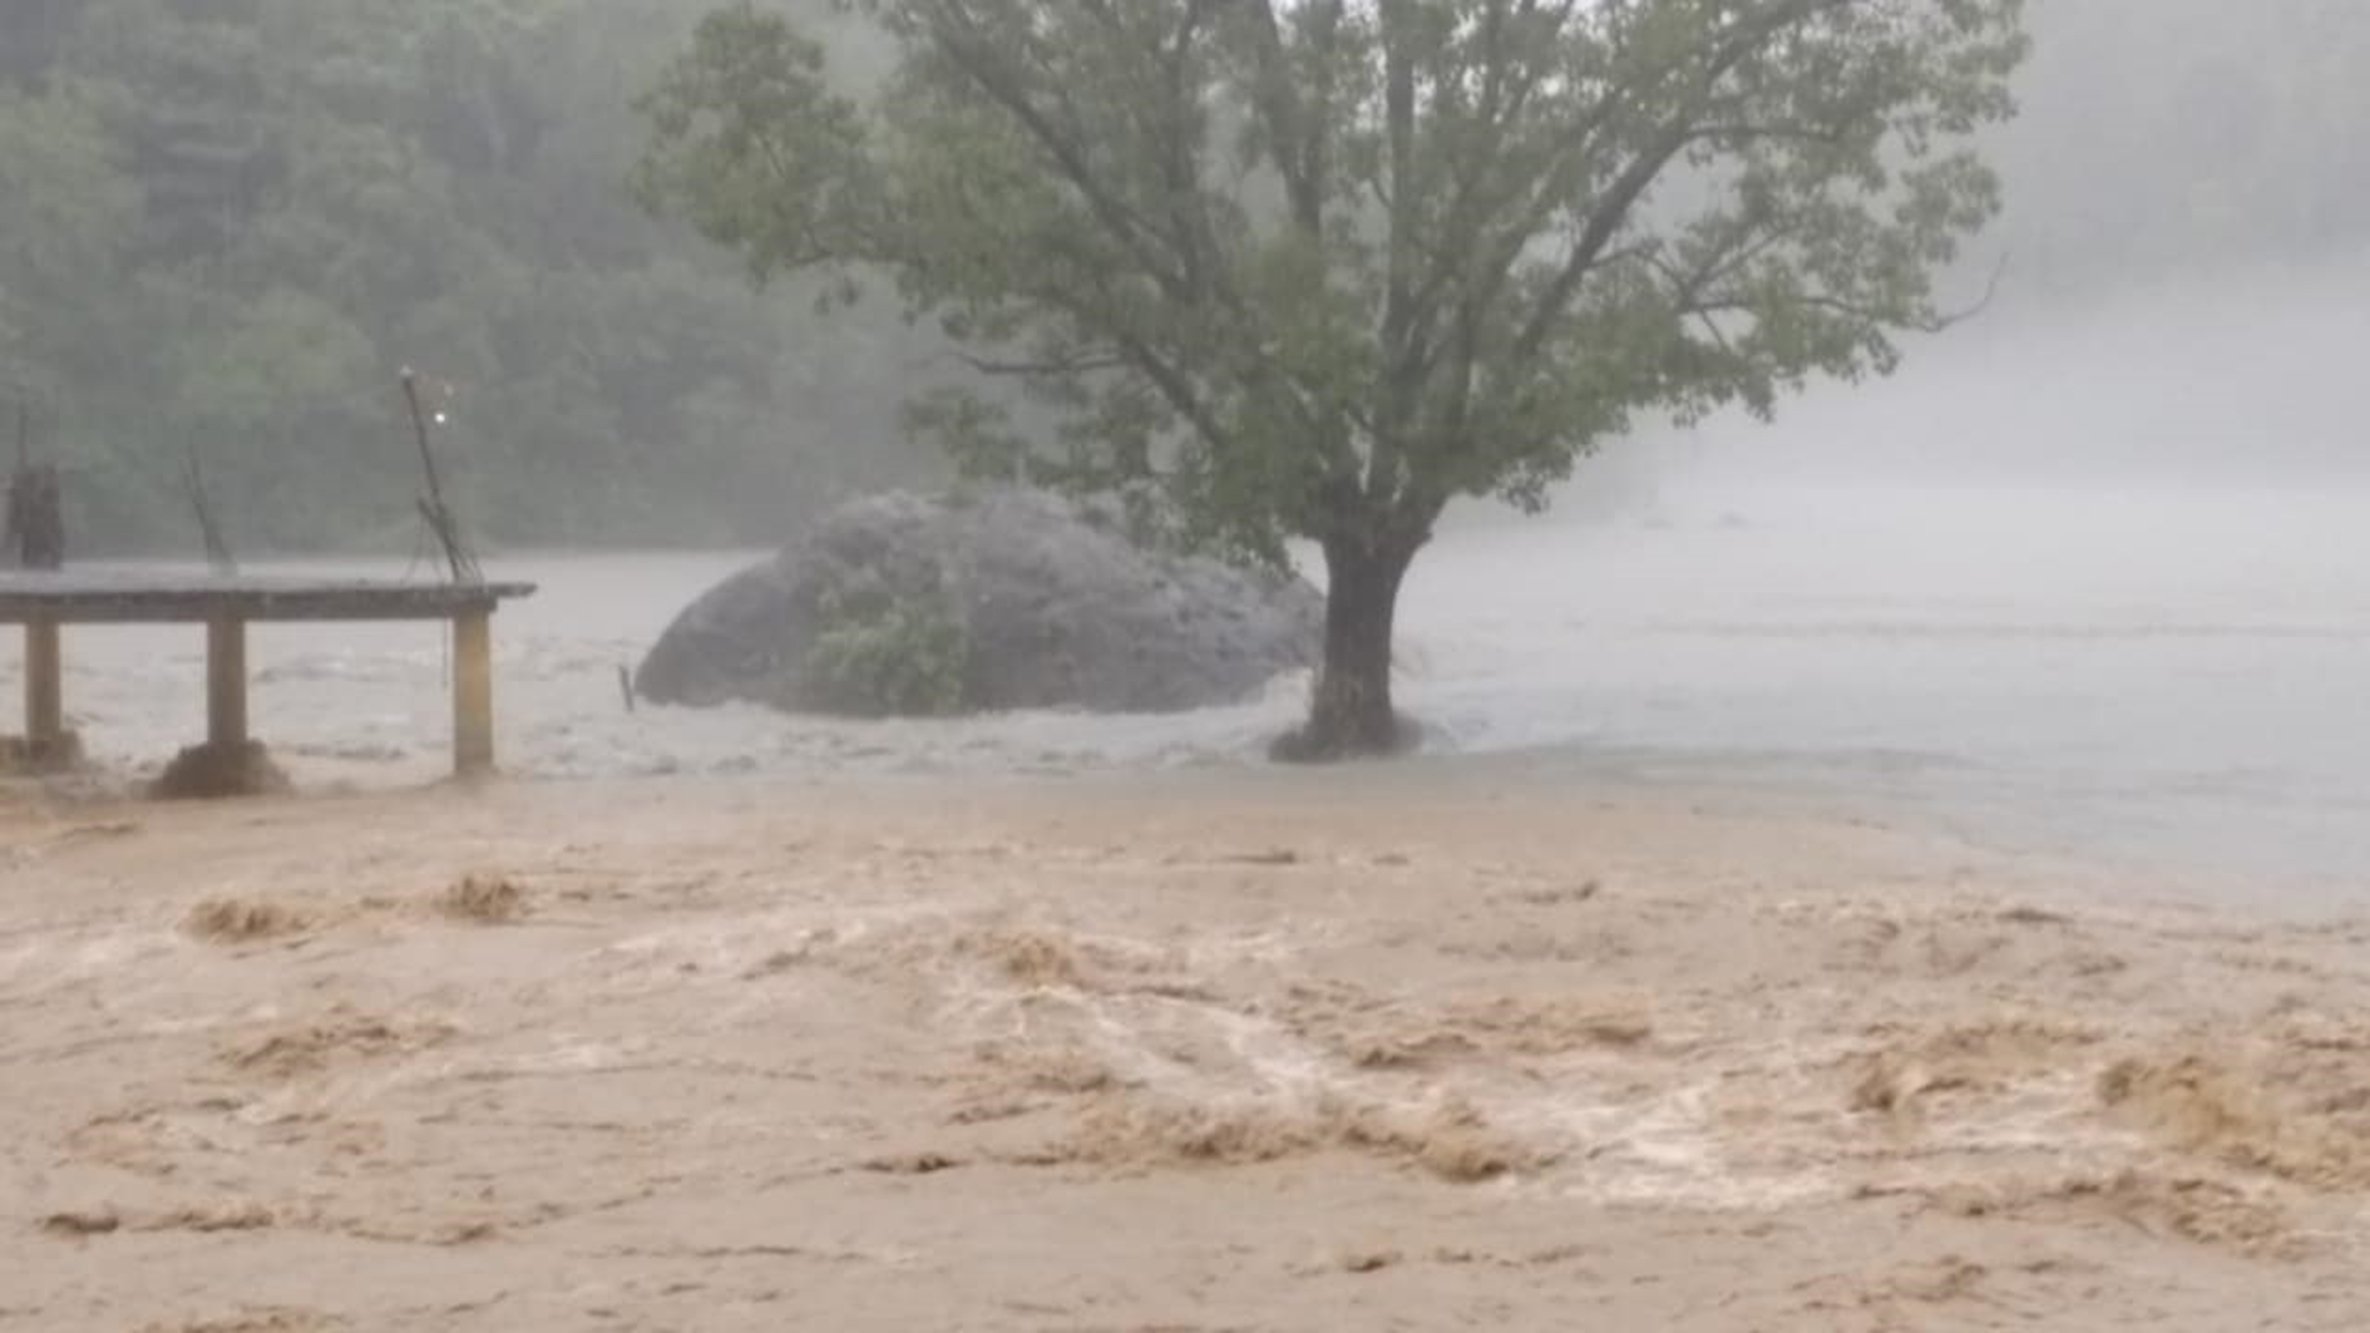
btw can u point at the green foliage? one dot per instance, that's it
(228, 226)
(1314, 269)
(889, 649)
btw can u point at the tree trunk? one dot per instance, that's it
(1351, 715)
(36, 528)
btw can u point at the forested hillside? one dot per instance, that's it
(225, 225)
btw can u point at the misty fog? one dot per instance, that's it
(2183, 294)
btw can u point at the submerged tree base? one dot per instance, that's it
(1314, 743)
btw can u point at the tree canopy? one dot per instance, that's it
(1313, 268)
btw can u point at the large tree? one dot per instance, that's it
(1313, 268)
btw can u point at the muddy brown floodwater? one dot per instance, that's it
(1166, 1051)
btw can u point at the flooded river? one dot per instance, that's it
(2155, 675)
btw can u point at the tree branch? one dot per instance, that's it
(1080, 364)
(1612, 212)
(1296, 133)
(1396, 392)
(974, 59)
(1933, 323)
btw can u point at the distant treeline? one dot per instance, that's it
(2171, 138)
(226, 225)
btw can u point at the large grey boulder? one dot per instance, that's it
(1051, 604)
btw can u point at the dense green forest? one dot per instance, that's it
(225, 225)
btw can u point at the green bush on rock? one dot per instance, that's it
(889, 651)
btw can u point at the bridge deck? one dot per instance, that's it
(84, 597)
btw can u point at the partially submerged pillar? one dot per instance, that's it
(45, 694)
(226, 682)
(473, 692)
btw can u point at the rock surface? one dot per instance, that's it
(1059, 610)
